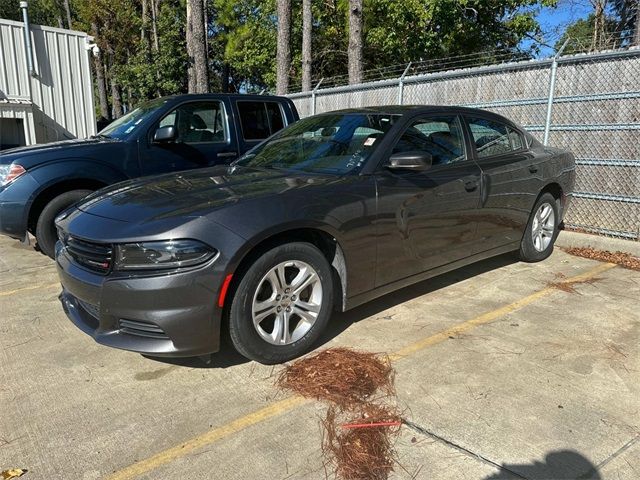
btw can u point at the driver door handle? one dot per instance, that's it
(227, 154)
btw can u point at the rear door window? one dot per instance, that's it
(260, 120)
(493, 138)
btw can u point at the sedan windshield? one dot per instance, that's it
(331, 143)
(125, 125)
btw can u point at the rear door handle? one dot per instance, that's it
(470, 185)
(227, 154)
(533, 168)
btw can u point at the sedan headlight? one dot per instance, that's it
(162, 255)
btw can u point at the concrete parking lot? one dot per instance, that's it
(503, 370)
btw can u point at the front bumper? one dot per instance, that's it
(169, 315)
(14, 206)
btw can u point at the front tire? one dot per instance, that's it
(282, 304)
(542, 230)
(46, 235)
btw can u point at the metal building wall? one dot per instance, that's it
(61, 90)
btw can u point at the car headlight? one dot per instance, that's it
(162, 255)
(8, 173)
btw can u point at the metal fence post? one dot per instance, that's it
(552, 88)
(401, 84)
(313, 97)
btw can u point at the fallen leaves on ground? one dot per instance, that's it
(625, 260)
(12, 473)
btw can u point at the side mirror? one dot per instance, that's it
(165, 134)
(416, 161)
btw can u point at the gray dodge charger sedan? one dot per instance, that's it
(329, 213)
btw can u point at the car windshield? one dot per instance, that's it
(331, 143)
(125, 125)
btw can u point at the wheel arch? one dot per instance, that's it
(44, 196)
(321, 238)
(555, 189)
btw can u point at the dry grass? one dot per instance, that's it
(341, 376)
(625, 260)
(361, 453)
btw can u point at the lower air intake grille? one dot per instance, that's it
(142, 329)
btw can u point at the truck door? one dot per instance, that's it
(203, 138)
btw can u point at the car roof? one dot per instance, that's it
(427, 109)
(402, 109)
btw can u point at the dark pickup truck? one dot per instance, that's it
(163, 135)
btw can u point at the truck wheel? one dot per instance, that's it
(282, 304)
(46, 235)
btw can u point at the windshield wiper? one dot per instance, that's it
(100, 135)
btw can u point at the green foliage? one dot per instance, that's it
(580, 35)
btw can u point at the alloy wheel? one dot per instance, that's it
(287, 302)
(543, 227)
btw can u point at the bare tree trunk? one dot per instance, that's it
(67, 10)
(197, 47)
(116, 99)
(307, 21)
(636, 30)
(226, 72)
(116, 95)
(101, 81)
(355, 41)
(283, 54)
(144, 18)
(102, 87)
(154, 25)
(597, 41)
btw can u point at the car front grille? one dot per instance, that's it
(96, 257)
(142, 329)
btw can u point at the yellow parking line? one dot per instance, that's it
(278, 408)
(26, 289)
(494, 314)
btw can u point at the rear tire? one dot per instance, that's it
(273, 321)
(46, 235)
(542, 230)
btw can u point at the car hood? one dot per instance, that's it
(193, 193)
(36, 154)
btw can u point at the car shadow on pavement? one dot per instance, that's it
(226, 357)
(342, 321)
(557, 465)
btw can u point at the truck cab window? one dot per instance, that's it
(198, 122)
(259, 120)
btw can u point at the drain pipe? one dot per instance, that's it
(27, 37)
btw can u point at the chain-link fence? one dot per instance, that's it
(587, 103)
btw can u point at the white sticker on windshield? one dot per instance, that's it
(369, 141)
(130, 129)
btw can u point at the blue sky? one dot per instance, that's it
(553, 21)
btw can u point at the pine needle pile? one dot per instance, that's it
(341, 376)
(625, 260)
(357, 428)
(359, 452)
